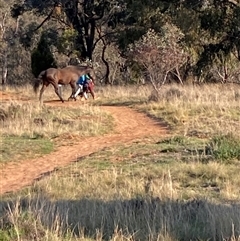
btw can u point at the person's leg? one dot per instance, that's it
(85, 88)
(91, 91)
(85, 95)
(78, 91)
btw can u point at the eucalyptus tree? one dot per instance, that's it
(79, 24)
(3, 43)
(211, 30)
(212, 34)
(14, 68)
(151, 41)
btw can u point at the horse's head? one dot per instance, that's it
(89, 63)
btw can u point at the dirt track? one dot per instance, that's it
(130, 126)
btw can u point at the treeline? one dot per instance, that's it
(127, 41)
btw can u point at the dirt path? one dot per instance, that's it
(130, 126)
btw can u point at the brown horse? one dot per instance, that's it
(64, 76)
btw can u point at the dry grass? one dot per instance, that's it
(193, 110)
(29, 129)
(170, 190)
(127, 95)
(31, 118)
(200, 111)
(146, 197)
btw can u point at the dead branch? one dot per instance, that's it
(45, 20)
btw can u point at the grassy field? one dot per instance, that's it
(30, 130)
(184, 187)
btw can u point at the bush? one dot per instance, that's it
(225, 147)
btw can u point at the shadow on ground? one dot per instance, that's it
(142, 219)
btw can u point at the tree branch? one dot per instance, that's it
(101, 36)
(45, 20)
(234, 2)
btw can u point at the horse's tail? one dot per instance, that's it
(38, 81)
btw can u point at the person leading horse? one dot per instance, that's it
(64, 76)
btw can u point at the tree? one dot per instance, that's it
(81, 18)
(79, 27)
(42, 57)
(3, 48)
(212, 33)
(210, 28)
(12, 56)
(160, 55)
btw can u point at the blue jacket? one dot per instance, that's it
(83, 79)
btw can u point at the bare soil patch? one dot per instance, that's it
(130, 126)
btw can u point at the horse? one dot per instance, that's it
(63, 76)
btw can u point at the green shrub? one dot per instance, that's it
(8, 234)
(225, 147)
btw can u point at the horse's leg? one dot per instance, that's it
(57, 91)
(74, 89)
(44, 86)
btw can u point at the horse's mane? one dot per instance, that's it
(80, 67)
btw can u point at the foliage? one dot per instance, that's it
(218, 47)
(210, 35)
(226, 147)
(42, 57)
(160, 54)
(15, 60)
(209, 28)
(8, 234)
(66, 42)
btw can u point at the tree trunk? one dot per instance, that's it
(107, 81)
(4, 70)
(90, 39)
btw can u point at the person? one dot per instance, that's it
(83, 83)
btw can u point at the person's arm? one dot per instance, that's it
(90, 79)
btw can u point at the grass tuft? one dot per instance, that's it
(226, 147)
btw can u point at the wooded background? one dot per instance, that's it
(127, 41)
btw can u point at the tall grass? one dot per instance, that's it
(200, 111)
(126, 201)
(32, 119)
(127, 95)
